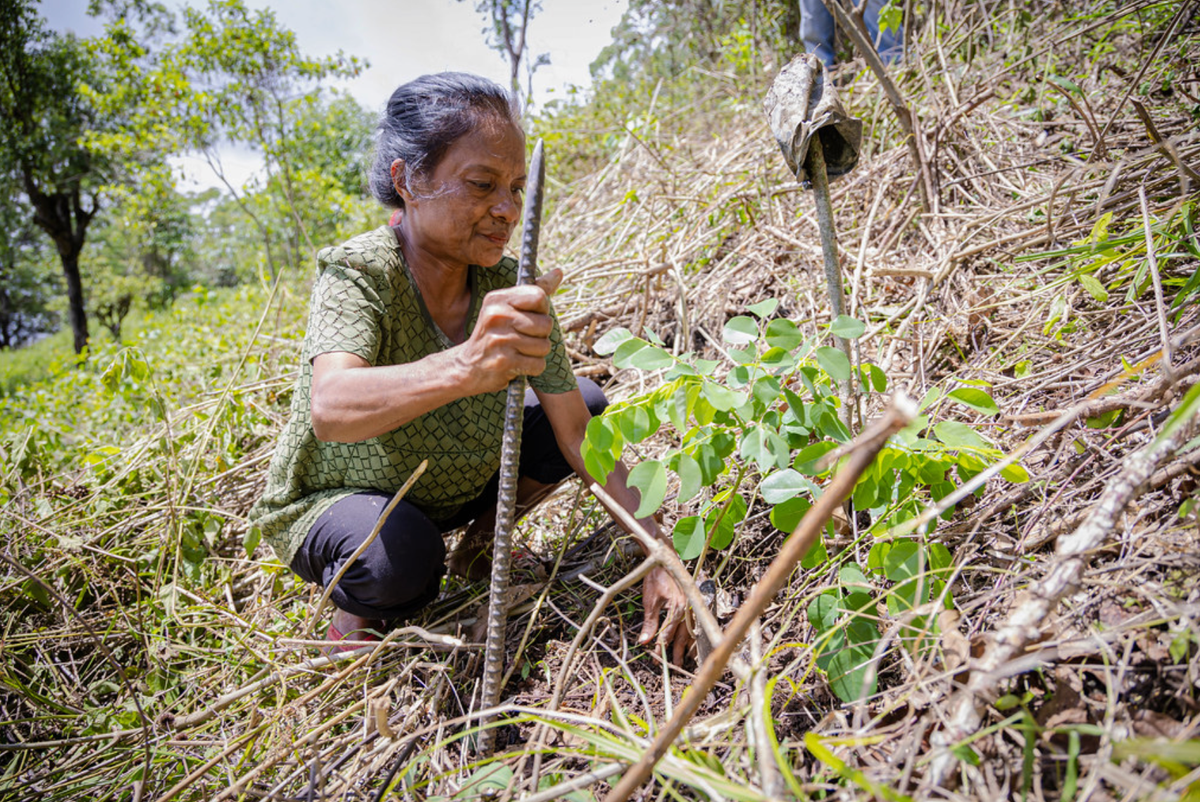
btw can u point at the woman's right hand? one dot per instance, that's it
(511, 336)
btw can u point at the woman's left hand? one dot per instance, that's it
(660, 594)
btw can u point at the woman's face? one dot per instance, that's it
(465, 212)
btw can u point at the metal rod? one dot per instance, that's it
(510, 452)
(833, 271)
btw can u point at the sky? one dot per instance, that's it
(403, 39)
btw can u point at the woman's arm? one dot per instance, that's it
(354, 401)
(569, 416)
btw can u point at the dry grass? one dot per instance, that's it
(161, 690)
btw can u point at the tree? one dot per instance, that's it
(508, 26)
(45, 116)
(657, 39)
(233, 77)
(28, 280)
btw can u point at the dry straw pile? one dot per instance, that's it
(1073, 643)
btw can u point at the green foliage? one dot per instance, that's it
(237, 76)
(760, 430)
(507, 32)
(1106, 263)
(59, 179)
(663, 40)
(29, 279)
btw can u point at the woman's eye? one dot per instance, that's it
(486, 186)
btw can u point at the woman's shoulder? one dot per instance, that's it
(372, 252)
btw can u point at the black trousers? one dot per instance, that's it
(401, 571)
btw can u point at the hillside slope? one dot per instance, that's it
(1040, 635)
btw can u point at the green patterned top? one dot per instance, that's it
(365, 302)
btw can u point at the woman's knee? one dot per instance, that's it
(398, 573)
(406, 562)
(593, 396)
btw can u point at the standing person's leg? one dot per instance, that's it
(399, 573)
(542, 468)
(817, 30)
(889, 43)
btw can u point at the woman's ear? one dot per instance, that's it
(399, 181)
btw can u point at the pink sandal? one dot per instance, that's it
(333, 635)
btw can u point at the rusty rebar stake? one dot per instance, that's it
(510, 454)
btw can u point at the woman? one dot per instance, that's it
(414, 333)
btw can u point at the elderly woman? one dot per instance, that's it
(414, 332)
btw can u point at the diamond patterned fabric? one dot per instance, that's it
(364, 302)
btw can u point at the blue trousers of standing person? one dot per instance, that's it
(817, 29)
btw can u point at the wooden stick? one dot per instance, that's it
(794, 548)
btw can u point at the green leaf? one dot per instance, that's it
(1094, 287)
(688, 537)
(722, 398)
(958, 435)
(635, 423)
(723, 522)
(690, 477)
(777, 360)
(824, 611)
(764, 309)
(783, 485)
(834, 362)
(902, 561)
(711, 463)
(1070, 86)
(966, 754)
(976, 399)
(602, 447)
(744, 356)
(847, 671)
(650, 479)
(783, 333)
(138, 369)
(853, 578)
(651, 358)
(611, 339)
(740, 330)
(623, 356)
(877, 555)
(112, 375)
(891, 16)
(878, 377)
(806, 461)
(847, 328)
(816, 556)
(1015, 473)
(251, 540)
(787, 515)
(680, 405)
(487, 781)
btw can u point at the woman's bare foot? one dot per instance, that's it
(471, 559)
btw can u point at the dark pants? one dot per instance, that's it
(401, 571)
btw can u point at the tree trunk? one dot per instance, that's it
(63, 216)
(75, 311)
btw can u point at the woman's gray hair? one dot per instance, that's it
(425, 117)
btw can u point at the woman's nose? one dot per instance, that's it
(508, 206)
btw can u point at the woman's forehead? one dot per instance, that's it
(497, 148)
